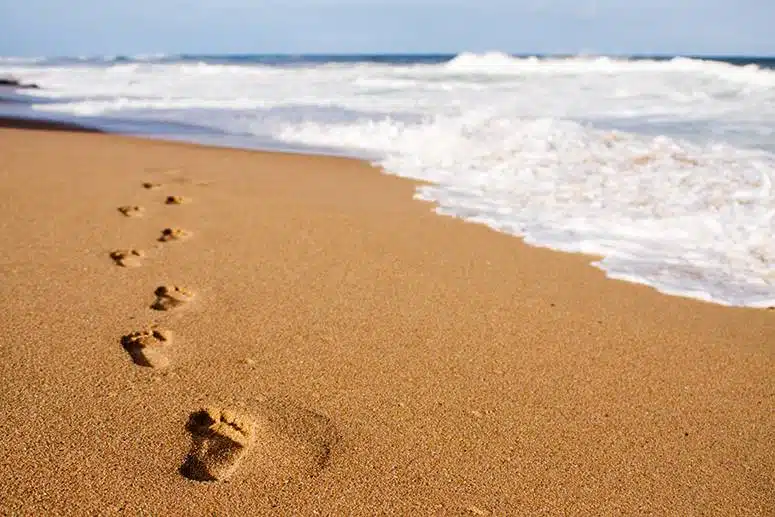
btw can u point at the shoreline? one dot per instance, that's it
(212, 141)
(394, 360)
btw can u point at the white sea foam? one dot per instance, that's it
(663, 168)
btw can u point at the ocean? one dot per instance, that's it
(661, 166)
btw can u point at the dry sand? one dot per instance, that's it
(362, 355)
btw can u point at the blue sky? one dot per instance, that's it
(97, 27)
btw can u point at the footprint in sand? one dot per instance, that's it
(288, 442)
(147, 347)
(176, 200)
(221, 438)
(171, 297)
(150, 185)
(131, 210)
(174, 234)
(128, 258)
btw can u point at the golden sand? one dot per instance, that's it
(371, 357)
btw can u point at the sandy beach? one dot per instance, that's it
(359, 354)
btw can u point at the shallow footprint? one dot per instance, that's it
(128, 258)
(131, 210)
(288, 444)
(302, 440)
(174, 234)
(150, 185)
(176, 200)
(170, 297)
(147, 347)
(221, 438)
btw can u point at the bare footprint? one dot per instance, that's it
(150, 185)
(131, 210)
(128, 258)
(221, 438)
(287, 443)
(147, 347)
(301, 439)
(171, 297)
(176, 200)
(174, 234)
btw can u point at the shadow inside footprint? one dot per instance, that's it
(127, 258)
(150, 185)
(131, 210)
(147, 347)
(176, 200)
(173, 234)
(221, 438)
(171, 297)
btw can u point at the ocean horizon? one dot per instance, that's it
(662, 165)
(379, 57)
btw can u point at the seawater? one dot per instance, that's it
(664, 167)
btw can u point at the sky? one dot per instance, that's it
(121, 27)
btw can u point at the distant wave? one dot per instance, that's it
(90, 60)
(467, 62)
(497, 63)
(10, 60)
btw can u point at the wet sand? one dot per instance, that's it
(310, 340)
